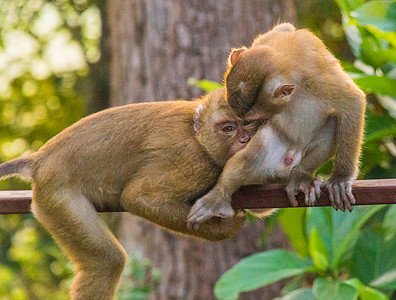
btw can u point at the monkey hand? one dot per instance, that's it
(301, 182)
(210, 205)
(340, 192)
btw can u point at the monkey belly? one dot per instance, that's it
(274, 150)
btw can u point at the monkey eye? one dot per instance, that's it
(228, 127)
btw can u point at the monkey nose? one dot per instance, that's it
(244, 140)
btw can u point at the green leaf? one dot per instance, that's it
(328, 289)
(206, 85)
(348, 5)
(390, 217)
(387, 281)
(390, 37)
(318, 251)
(363, 264)
(352, 35)
(377, 123)
(380, 134)
(365, 292)
(373, 255)
(377, 84)
(346, 228)
(380, 14)
(293, 224)
(321, 220)
(372, 54)
(350, 68)
(300, 294)
(259, 270)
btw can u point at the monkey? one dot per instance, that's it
(320, 113)
(150, 159)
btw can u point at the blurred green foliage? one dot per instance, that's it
(139, 279)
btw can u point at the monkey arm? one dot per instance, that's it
(244, 168)
(349, 136)
(171, 212)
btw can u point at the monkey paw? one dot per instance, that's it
(305, 184)
(206, 208)
(340, 192)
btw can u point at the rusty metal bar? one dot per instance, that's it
(367, 192)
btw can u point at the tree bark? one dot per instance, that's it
(156, 47)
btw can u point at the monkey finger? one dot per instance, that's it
(194, 223)
(342, 192)
(292, 198)
(344, 197)
(349, 206)
(306, 197)
(312, 197)
(195, 226)
(318, 184)
(331, 197)
(190, 225)
(338, 201)
(349, 193)
(192, 219)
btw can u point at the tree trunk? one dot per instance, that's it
(156, 47)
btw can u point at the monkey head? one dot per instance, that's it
(256, 79)
(219, 130)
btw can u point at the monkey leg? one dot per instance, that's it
(154, 206)
(302, 177)
(96, 254)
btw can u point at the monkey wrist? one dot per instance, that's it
(337, 176)
(299, 171)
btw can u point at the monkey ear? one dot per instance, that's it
(198, 117)
(283, 91)
(233, 57)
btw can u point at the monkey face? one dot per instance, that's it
(237, 133)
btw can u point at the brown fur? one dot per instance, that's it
(145, 158)
(321, 113)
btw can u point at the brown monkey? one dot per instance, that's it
(321, 113)
(152, 159)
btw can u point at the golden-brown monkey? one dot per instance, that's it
(321, 113)
(152, 159)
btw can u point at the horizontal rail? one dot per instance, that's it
(366, 192)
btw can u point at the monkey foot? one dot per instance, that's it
(311, 190)
(340, 192)
(206, 208)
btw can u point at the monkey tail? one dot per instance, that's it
(20, 167)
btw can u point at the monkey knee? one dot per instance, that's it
(116, 260)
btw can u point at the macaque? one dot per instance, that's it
(151, 159)
(319, 112)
